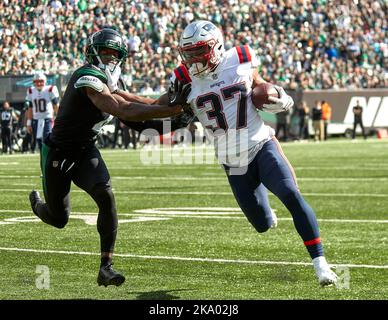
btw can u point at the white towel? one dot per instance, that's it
(39, 129)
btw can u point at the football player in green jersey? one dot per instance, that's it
(69, 153)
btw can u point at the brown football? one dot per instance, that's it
(261, 93)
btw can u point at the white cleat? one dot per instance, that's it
(326, 276)
(274, 219)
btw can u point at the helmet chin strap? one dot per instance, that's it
(199, 70)
(202, 71)
(112, 67)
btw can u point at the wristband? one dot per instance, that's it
(29, 123)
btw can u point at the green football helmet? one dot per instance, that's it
(106, 39)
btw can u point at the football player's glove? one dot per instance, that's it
(185, 118)
(113, 78)
(178, 93)
(281, 104)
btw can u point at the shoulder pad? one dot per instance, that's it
(182, 74)
(91, 82)
(90, 71)
(244, 54)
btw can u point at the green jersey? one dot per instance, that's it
(79, 121)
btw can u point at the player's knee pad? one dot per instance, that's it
(101, 190)
(60, 221)
(56, 213)
(261, 228)
(292, 199)
(259, 218)
(286, 190)
(103, 195)
(60, 224)
(107, 217)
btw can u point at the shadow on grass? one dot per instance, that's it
(158, 294)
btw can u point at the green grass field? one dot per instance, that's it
(181, 235)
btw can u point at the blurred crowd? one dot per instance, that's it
(318, 44)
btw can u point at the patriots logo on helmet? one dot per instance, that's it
(209, 27)
(201, 48)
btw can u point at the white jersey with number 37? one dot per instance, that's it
(222, 103)
(41, 101)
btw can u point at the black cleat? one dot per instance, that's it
(107, 276)
(34, 199)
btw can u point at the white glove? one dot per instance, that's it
(281, 104)
(113, 78)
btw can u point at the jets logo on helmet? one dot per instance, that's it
(201, 47)
(106, 48)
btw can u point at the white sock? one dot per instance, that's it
(320, 262)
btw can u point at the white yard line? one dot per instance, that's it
(207, 193)
(18, 176)
(191, 259)
(209, 176)
(196, 166)
(203, 215)
(338, 167)
(11, 183)
(223, 178)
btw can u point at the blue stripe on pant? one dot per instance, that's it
(271, 169)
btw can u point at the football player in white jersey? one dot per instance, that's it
(43, 102)
(221, 88)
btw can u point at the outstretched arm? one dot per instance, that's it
(180, 121)
(175, 124)
(129, 111)
(163, 99)
(135, 98)
(177, 93)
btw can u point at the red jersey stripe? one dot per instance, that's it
(240, 55)
(177, 74)
(248, 54)
(185, 73)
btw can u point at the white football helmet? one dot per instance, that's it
(201, 47)
(39, 80)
